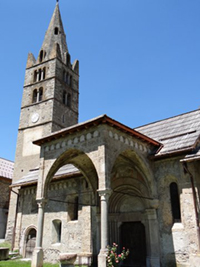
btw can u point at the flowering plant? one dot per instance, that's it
(112, 259)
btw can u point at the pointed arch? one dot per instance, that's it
(81, 161)
(131, 161)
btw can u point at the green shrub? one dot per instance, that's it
(5, 244)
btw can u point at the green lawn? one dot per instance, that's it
(17, 263)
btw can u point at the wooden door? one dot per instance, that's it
(133, 237)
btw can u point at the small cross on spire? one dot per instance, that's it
(57, 1)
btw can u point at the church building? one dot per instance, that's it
(78, 187)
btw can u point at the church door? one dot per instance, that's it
(30, 243)
(133, 238)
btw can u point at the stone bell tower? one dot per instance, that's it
(50, 99)
(50, 96)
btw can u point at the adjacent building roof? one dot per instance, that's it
(179, 133)
(6, 168)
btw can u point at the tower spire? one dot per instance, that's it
(55, 38)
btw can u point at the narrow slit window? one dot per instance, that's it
(64, 75)
(56, 231)
(34, 99)
(75, 208)
(56, 31)
(67, 78)
(44, 73)
(35, 76)
(40, 94)
(41, 55)
(63, 118)
(40, 75)
(64, 98)
(69, 100)
(175, 202)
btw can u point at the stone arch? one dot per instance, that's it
(80, 160)
(121, 200)
(29, 230)
(132, 202)
(132, 161)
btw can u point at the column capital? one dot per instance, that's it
(41, 202)
(151, 214)
(154, 203)
(105, 193)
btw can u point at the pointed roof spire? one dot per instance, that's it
(54, 35)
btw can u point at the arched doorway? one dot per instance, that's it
(132, 236)
(30, 243)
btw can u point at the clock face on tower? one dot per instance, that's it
(35, 117)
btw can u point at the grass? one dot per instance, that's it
(17, 263)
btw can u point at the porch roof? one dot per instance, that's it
(103, 119)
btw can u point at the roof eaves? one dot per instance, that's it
(172, 153)
(94, 122)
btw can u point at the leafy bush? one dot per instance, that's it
(5, 245)
(113, 259)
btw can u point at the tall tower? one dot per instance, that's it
(50, 99)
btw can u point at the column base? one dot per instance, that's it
(102, 257)
(37, 260)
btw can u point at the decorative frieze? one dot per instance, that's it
(73, 141)
(30, 191)
(91, 135)
(128, 141)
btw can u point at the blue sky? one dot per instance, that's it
(139, 59)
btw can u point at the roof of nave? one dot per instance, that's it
(178, 133)
(32, 176)
(6, 168)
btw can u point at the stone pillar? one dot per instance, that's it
(37, 260)
(152, 236)
(104, 195)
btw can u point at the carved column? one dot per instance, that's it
(104, 195)
(37, 260)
